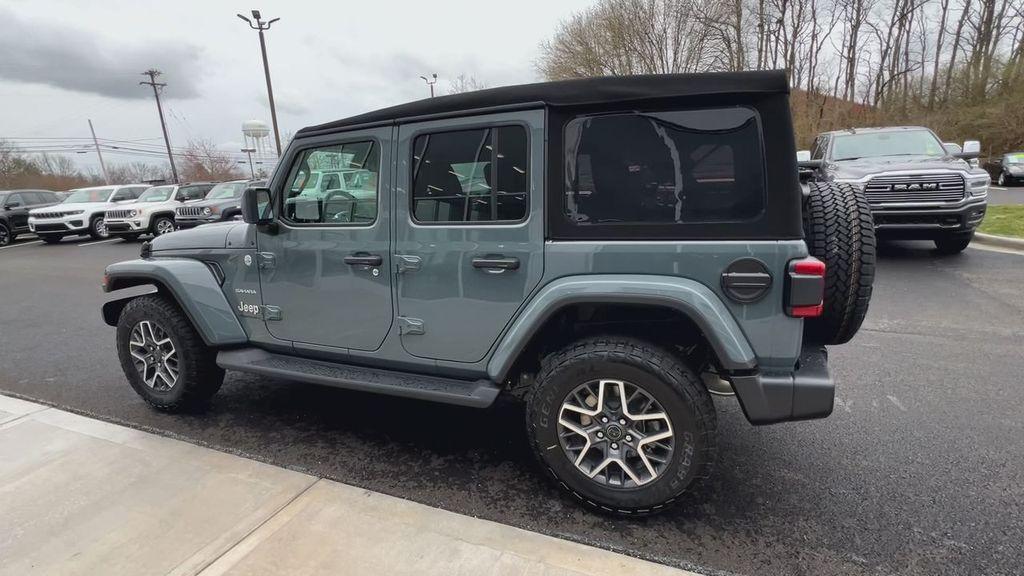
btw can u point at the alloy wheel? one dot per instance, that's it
(154, 355)
(5, 236)
(164, 226)
(1002, 178)
(615, 433)
(99, 226)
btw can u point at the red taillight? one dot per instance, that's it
(805, 288)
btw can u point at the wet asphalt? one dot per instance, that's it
(920, 469)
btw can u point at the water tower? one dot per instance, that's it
(255, 133)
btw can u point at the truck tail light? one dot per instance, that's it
(805, 288)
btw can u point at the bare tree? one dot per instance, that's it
(465, 83)
(201, 160)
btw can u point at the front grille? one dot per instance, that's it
(189, 211)
(119, 214)
(915, 188)
(51, 215)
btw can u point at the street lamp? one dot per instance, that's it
(260, 25)
(430, 82)
(248, 152)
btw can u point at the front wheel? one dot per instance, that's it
(98, 228)
(623, 425)
(1002, 179)
(163, 225)
(5, 235)
(163, 357)
(953, 244)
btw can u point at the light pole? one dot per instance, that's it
(260, 25)
(248, 152)
(430, 82)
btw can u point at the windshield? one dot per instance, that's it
(157, 194)
(226, 190)
(89, 195)
(1015, 158)
(895, 143)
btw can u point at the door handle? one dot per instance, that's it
(498, 262)
(363, 259)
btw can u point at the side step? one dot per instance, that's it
(476, 394)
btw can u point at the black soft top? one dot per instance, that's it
(580, 92)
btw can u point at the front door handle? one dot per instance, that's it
(496, 262)
(363, 259)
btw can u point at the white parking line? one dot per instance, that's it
(22, 244)
(98, 242)
(998, 188)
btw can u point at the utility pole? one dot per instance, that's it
(260, 25)
(152, 73)
(103, 168)
(430, 82)
(248, 152)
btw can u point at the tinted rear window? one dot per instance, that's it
(675, 167)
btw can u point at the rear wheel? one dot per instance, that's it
(163, 357)
(52, 238)
(623, 425)
(953, 244)
(98, 228)
(840, 231)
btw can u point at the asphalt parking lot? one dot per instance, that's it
(920, 470)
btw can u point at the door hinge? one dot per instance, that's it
(406, 262)
(271, 313)
(266, 260)
(410, 325)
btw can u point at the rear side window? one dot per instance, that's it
(477, 175)
(680, 167)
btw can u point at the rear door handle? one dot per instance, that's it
(363, 259)
(498, 262)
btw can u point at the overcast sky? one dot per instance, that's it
(62, 62)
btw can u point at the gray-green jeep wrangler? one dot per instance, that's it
(612, 250)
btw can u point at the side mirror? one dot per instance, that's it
(255, 202)
(803, 155)
(972, 149)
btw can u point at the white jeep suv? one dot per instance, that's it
(153, 212)
(82, 212)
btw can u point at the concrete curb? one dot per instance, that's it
(1000, 241)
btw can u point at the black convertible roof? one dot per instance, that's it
(581, 92)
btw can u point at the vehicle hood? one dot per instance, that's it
(854, 169)
(216, 235)
(86, 206)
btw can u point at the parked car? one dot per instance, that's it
(153, 212)
(222, 202)
(14, 209)
(604, 249)
(1008, 169)
(82, 212)
(917, 189)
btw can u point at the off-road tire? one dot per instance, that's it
(96, 234)
(52, 238)
(199, 377)
(661, 374)
(5, 235)
(840, 231)
(953, 244)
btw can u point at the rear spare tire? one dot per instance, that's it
(840, 232)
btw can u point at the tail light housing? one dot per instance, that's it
(805, 288)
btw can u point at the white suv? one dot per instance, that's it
(153, 212)
(82, 212)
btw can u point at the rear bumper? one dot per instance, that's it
(802, 394)
(928, 222)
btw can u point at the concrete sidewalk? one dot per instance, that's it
(81, 496)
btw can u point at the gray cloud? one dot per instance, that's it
(38, 51)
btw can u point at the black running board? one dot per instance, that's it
(473, 393)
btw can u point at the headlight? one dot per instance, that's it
(133, 213)
(978, 185)
(207, 211)
(73, 212)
